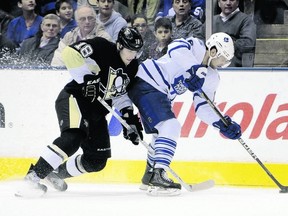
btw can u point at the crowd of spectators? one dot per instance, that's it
(30, 34)
(88, 27)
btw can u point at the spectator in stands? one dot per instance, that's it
(49, 6)
(5, 19)
(7, 48)
(88, 27)
(64, 9)
(111, 20)
(26, 25)
(139, 21)
(87, 2)
(11, 7)
(185, 25)
(6, 44)
(123, 9)
(239, 26)
(149, 8)
(163, 33)
(39, 50)
(197, 9)
(135, 6)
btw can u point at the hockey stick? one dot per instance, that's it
(195, 187)
(283, 189)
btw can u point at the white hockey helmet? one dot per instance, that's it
(223, 43)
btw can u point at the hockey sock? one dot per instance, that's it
(164, 152)
(42, 168)
(72, 167)
(165, 144)
(62, 171)
(49, 160)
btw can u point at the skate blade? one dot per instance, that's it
(143, 187)
(27, 190)
(57, 184)
(159, 191)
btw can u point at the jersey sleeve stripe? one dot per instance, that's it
(161, 74)
(148, 73)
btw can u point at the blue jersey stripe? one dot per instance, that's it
(182, 45)
(184, 42)
(148, 73)
(160, 72)
(199, 105)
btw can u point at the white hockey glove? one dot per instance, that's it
(197, 77)
(134, 122)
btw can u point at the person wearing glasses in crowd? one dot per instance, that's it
(139, 21)
(88, 27)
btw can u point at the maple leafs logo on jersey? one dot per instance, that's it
(178, 86)
(116, 84)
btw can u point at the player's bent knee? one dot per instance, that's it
(70, 141)
(95, 165)
(170, 128)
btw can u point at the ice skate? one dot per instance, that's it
(161, 185)
(55, 181)
(146, 177)
(31, 187)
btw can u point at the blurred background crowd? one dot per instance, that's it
(34, 32)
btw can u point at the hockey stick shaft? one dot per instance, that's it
(242, 142)
(123, 122)
(148, 147)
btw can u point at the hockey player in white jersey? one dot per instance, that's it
(190, 65)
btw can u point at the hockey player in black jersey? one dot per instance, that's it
(98, 68)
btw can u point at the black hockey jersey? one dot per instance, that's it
(100, 57)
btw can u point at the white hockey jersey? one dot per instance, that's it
(167, 74)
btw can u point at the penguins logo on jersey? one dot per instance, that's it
(116, 84)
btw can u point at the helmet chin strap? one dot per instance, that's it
(209, 61)
(211, 58)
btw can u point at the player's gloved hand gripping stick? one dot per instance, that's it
(197, 77)
(191, 188)
(135, 124)
(226, 122)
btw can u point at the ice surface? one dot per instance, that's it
(128, 200)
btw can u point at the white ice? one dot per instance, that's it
(128, 200)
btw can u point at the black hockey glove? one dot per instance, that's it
(232, 131)
(135, 124)
(90, 89)
(197, 77)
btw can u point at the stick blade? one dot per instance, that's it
(202, 185)
(284, 189)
